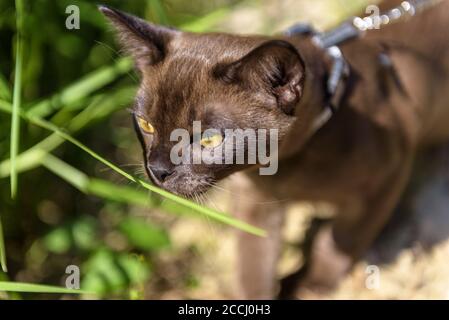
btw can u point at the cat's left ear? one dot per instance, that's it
(275, 67)
(145, 42)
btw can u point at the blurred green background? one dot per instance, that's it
(122, 239)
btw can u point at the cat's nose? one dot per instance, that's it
(160, 173)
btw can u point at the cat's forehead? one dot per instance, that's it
(178, 97)
(190, 59)
(210, 48)
(177, 83)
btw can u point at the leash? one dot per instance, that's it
(351, 29)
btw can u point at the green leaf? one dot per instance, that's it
(58, 241)
(144, 235)
(135, 267)
(81, 234)
(109, 272)
(15, 116)
(37, 288)
(84, 232)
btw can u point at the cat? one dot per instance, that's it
(360, 160)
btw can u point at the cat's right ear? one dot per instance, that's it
(275, 66)
(145, 42)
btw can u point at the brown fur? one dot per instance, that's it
(360, 161)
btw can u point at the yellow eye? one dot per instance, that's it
(212, 141)
(145, 125)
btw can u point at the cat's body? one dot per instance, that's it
(360, 160)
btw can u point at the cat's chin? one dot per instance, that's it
(194, 195)
(188, 189)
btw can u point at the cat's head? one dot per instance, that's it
(224, 81)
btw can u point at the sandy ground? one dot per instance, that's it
(414, 273)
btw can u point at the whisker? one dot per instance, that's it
(200, 200)
(244, 198)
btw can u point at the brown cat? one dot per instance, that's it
(360, 160)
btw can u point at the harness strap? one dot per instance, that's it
(348, 30)
(338, 74)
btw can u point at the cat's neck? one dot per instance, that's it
(314, 99)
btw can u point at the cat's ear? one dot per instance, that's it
(275, 66)
(145, 42)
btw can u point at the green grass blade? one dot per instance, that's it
(105, 189)
(77, 178)
(215, 215)
(82, 88)
(32, 157)
(15, 117)
(97, 187)
(108, 190)
(37, 288)
(2, 249)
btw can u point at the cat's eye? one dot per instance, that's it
(145, 125)
(212, 141)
